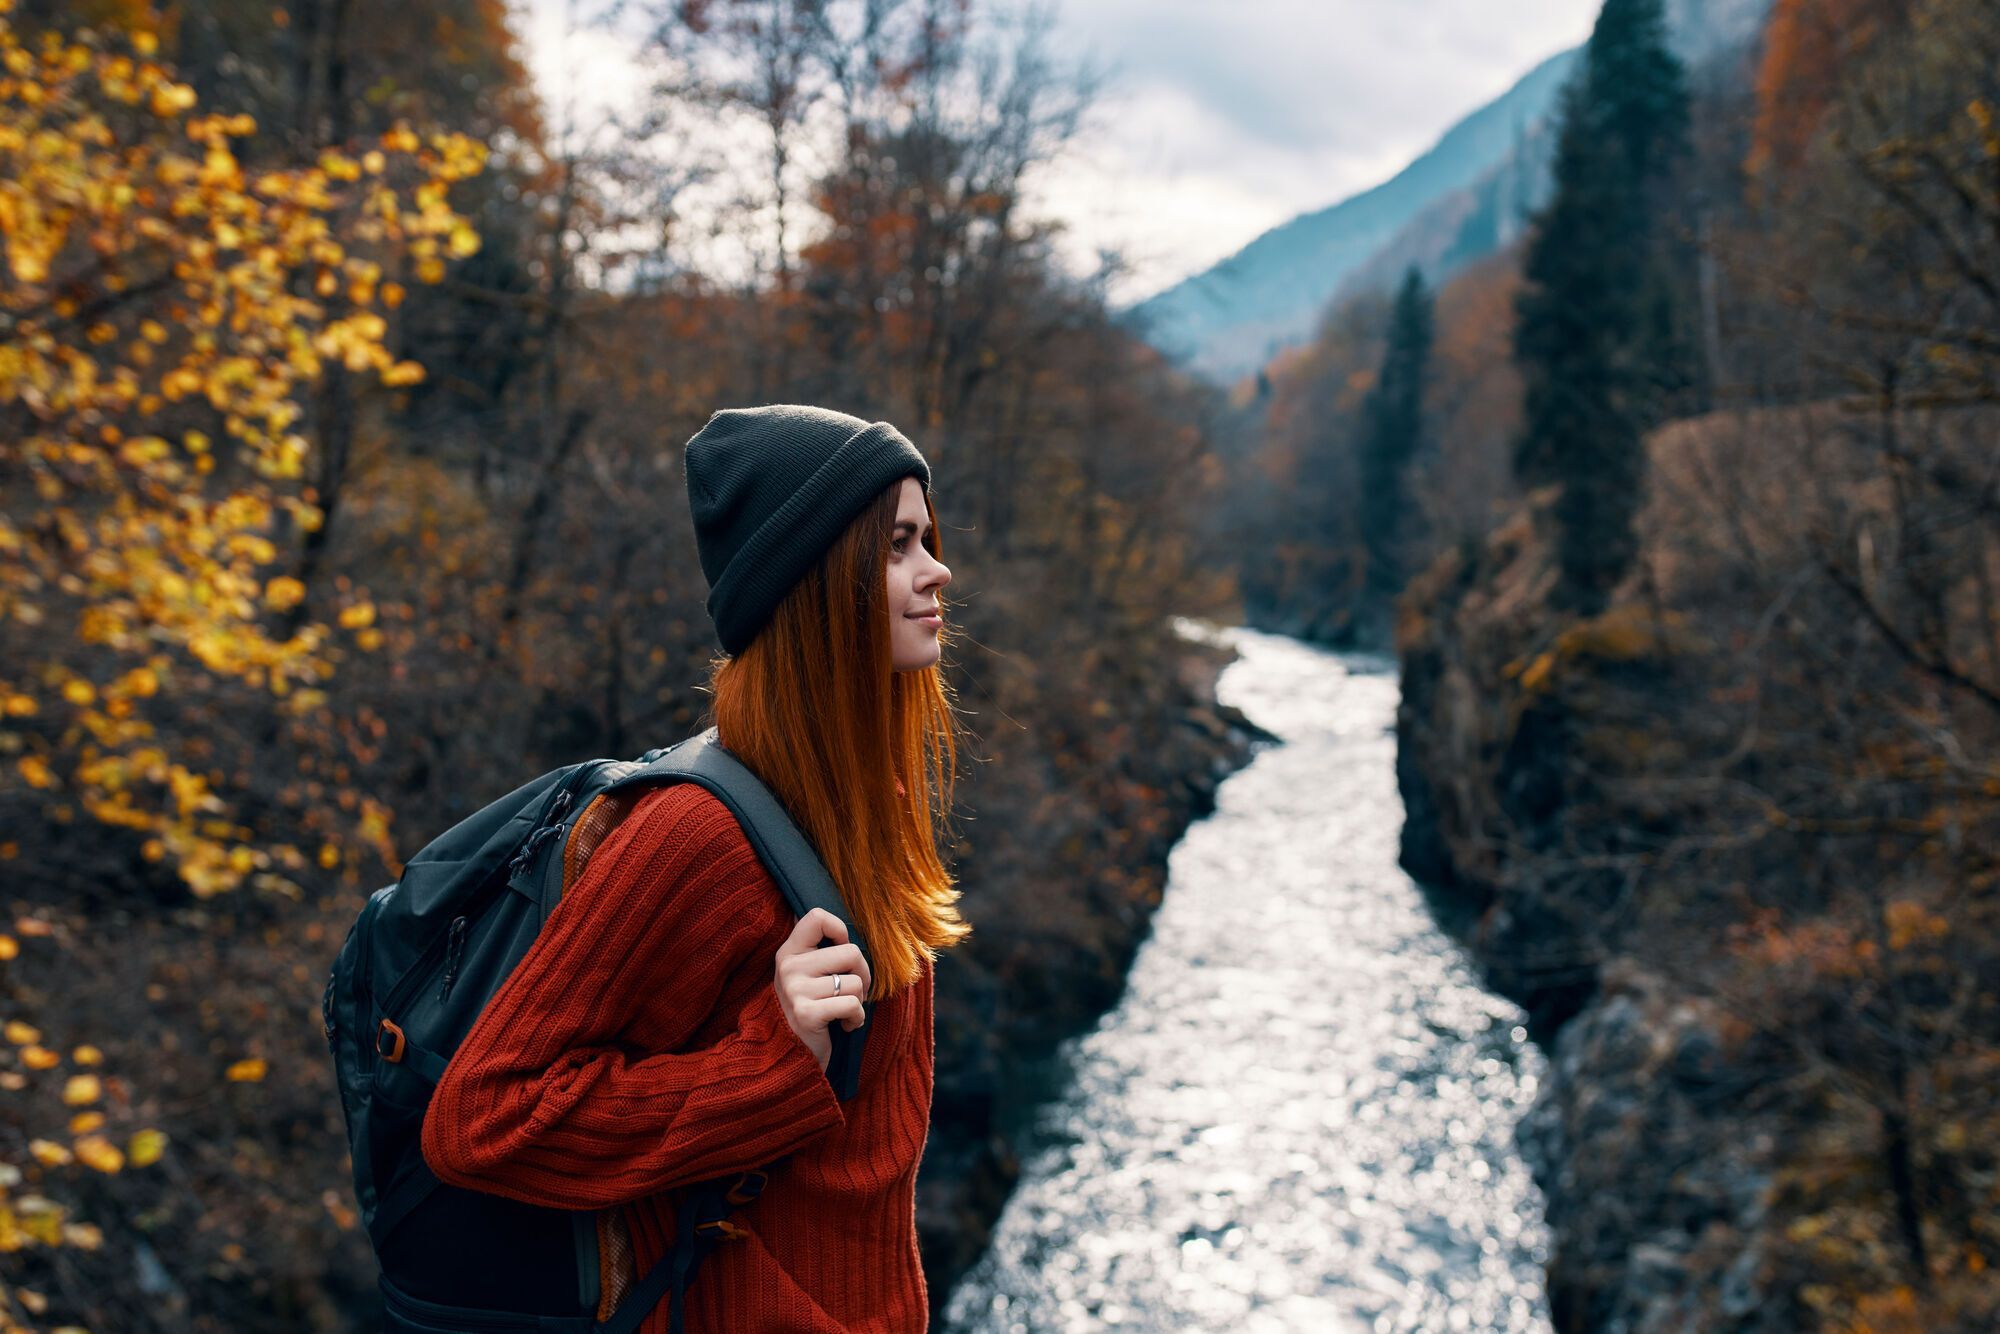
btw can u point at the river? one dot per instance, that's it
(1301, 1114)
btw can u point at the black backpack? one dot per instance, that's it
(421, 961)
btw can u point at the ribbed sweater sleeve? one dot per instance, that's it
(571, 1090)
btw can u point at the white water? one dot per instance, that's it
(1301, 1115)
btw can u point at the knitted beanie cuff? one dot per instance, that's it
(796, 534)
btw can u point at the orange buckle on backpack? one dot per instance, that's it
(721, 1228)
(746, 1189)
(388, 1029)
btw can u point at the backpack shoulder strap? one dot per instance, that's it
(803, 880)
(783, 849)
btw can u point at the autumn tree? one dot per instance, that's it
(762, 59)
(1288, 510)
(1808, 44)
(1885, 254)
(1475, 407)
(168, 312)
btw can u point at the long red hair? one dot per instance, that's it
(864, 757)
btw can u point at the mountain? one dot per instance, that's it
(1468, 196)
(1229, 320)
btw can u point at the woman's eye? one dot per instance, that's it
(899, 543)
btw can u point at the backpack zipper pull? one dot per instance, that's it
(454, 944)
(550, 826)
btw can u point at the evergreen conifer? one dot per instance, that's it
(1598, 341)
(1391, 431)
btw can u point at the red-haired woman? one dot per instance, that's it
(672, 1023)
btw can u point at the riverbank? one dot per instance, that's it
(1510, 825)
(1728, 888)
(1050, 951)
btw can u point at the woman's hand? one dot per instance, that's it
(805, 981)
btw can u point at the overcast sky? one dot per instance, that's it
(1221, 118)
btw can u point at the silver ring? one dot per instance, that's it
(836, 984)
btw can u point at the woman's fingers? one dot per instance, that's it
(843, 1010)
(833, 959)
(849, 984)
(816, 951)
(807, 934)
(806, 954)
(805, 988)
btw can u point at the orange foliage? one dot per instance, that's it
(1808, 44)
(1818, 948)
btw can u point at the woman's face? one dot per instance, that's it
(915, 576)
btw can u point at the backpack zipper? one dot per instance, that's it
(328, 1025)
(550, 826)
(454, 947)
(552, 820)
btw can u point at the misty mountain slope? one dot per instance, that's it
(1467, 197)
(1228, 320)
(1461, 228)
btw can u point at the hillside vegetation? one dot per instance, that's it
(1715, 795)
(345, 388)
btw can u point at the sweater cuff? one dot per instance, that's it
(795, 1063)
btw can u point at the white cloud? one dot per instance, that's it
(1222, 118)
(1302, 102)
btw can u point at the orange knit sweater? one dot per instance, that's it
(640, 1046)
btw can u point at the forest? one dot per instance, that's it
(345, 384)
(1681, 515)
(345, 377)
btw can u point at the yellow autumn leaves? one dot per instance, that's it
(167, 310)
(145, 1147)
(32, 1219)
(284, 593)
(93, 1151)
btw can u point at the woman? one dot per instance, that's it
(672, 1023)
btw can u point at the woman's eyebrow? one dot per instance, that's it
(913, 527)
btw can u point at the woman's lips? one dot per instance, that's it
(933, 622)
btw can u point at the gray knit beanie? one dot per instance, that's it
(771, 489)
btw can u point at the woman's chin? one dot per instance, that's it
(915, 660)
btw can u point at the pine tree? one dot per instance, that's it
(1599, 342)
(1392, 423)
